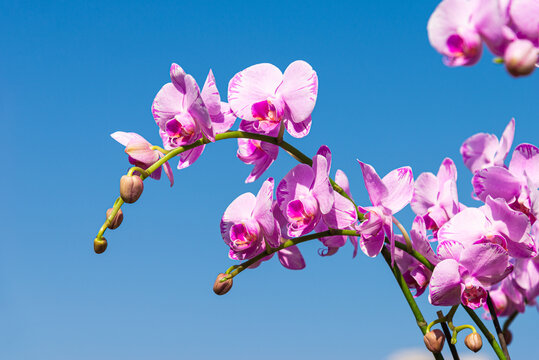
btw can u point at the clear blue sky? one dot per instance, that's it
(73, 72)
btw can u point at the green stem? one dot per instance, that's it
(419, 257)
(420, 320)
(491, 339)
(447, 334)
(404, 234)
(295, 153)
(236, 269)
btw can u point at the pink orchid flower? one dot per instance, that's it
(465, 275)
(388, 196)
(517, 185)
(435, 197)
(305, 194)
(264, 95)
(141, 154)
(484, 150)
(248, 222)
(184, 114)
(496, 223)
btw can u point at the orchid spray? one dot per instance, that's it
(463, 257)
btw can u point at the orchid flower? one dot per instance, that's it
(435, 197)
(248, 222)
(141, 154)
(465, 274)
(267, 97)
(388, 196)
(495, 222)
(305, 194)
(184, 114)
(484, 150)
(255, 152)
(517, 185)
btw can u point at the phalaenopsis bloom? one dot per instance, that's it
(510, 29)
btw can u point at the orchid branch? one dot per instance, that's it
(169, 154)
(497, 326)
(509, 321)
(236, 269)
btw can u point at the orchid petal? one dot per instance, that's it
(525, 162)
(299, 90)
(487, 262)
(167, 103)
(497, 182)
(400, 186)
(291, 258)
(375, 187)
(297, 182)
(187, 158)
(478, 151)
(445, 284)
(252, 85)
(467, 227)
(299, 129)
(262, 210)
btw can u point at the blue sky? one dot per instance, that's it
(73, 72)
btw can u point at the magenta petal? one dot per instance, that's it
(342, 180)
(447, 171)
(467, 227)
(525, 162)
(197, 109)
(177, 75)
(425, 193)
(299, 90)
(400, 186)
(496, 181)
(240, 209)
(487, 262)
(505, 143)
(445, 284)
(296, 183)
(449, 249)
(187, 158)
(299, 129)
(371, 245)
(524, 14)
(321, 188)
(210, 95)
(291, 258)
(342, 215)
(418, 235)
(167, 103)
(505, 220)
(262, 210)
(168, 172)
(252, 85)
(478, 151)
(375, 187)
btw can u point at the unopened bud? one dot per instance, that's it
(117, 219)
(473, 342)
(520, 57)
(508, 336)
(131, 188)
(100, 245)
(222, 287)
(434, 340)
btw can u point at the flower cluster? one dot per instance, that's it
(510, 29)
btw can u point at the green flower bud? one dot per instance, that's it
(131, 188)
(434, 340)
(100, 245)
(117, 219)
(222, 287)
(474, 342)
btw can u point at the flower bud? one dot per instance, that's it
(117, 219)
(131, 188)
(100, 245)
(434, 340)
(221, 288)
(473, 342)
(508, 335)
(520, 57)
